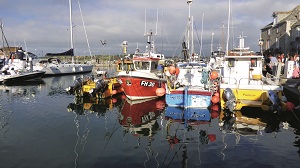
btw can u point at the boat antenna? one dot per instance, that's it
(156, 22)
(25, 45)
(145, 33)
(212, 40)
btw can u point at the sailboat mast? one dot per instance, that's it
(71, 29)
(189, 2)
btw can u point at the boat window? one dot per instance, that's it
(253, 62)
(154, 65)
(231, 62)
(139, 65)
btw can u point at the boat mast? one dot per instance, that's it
(71, 30)
(189, 2)
(228, 23)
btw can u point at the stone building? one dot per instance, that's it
(283, 34)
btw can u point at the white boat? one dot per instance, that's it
(16, 67)
(10, 75)
(55, 67)
(243, 84)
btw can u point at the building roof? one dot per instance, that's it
(284, 16)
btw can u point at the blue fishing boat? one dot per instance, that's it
(188, 82)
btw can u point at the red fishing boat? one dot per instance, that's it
(143, 78)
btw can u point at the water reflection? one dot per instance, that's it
(185, 127)
(251, 125)
(83, 108)
(139, 118)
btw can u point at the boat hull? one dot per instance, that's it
(140, 87)
(23, 77)
(189, 98)
(251, 96)
(66, 69)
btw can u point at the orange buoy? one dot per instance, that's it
(215, 107)
(123, 96)
(214, 75)
(215, 99)
(160, 91)
(177, 71)
(172, 69)
(114, 92)
(212, 137)
(160, 104)
(214, 114)
(114, 100)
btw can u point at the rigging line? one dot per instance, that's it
(182, 38)
(87, 40)
(175, 154)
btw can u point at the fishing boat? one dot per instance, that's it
(189, 83)
(243, 84)
(97, 88)
(143, 79)
(54, 66)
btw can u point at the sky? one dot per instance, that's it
(42, 26)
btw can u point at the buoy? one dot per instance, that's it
(217, 94)
(289, 106)
(214, 114)
(160, 91)
(114, 100)
(160, 104)
(215, 99)
(114, 92)
(177, 71)
(215, 107)
(172, 69)
(211, 137)
(214, 75)
(123, 96)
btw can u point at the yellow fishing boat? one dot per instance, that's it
(243, 84)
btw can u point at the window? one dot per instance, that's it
(268, 44)
(277, 42)
(231, 62)
(253, 62)
(269, 31)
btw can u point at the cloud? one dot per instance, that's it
(43, 25)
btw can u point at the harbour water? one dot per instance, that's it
(42, 126)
